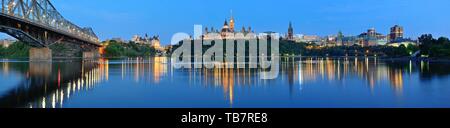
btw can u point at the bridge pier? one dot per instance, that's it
(90, 55)
(40, 69)
(40, 54)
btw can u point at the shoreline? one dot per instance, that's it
(415, 59)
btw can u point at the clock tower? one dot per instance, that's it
(232, 22)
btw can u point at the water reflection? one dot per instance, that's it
(308, 71)
(370, 70)
(147, 70)
(50, 85)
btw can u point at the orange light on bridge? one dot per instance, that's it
(101, 50)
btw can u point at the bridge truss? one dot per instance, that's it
(38, 22)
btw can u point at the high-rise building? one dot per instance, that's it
(290, 35)
(396, 33)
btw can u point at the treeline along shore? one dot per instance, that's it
(429, 49)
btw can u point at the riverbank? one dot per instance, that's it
(416, 59)
(285, 58)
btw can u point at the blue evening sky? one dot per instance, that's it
(125, 18)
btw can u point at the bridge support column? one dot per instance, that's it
(40, 54)
(41, 69)
(90, 55)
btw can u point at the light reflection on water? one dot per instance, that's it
(152, 82)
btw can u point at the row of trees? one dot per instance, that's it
(294, 48)
(291, 48)
(20, 49)
(131, 49)
(114, 49)
(429, 46)
(435, 47)
(15, 50)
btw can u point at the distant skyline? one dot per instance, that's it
(111, 19)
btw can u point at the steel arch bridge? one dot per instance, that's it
(39, 24)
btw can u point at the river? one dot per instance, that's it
(153, 83)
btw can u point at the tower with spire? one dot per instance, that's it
(232, 22)
(290, 35)
(225, 29)
(228, 28)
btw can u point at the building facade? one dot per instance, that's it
(228, 28)
(396, 33)
(371, 38)
(146, 40)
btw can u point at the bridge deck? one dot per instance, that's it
(50, 29)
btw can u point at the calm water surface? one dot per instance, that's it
(153, 83)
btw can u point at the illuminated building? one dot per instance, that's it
(152, 41)
(308, 38)
(228, 28)
(396, 33)
(396, 38)
(371, 38)
(405, 42)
